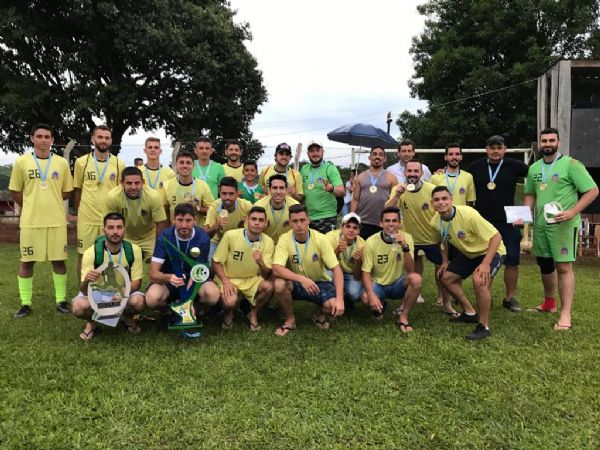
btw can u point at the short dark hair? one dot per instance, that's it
(278, 176)
(257, 209)
(204, 139)
(415, 160)
(101, 127)
(406, 142)
(233, 142)
(550, 130)
(41, 126)
(183, 154)
(453, 145)
(389, 209)
(113, 216)
(440, 189)
(131, 170)
(184, 208)
(228, 181)
(251, 163)
(138, 159)
(375, 147)
(297, 209)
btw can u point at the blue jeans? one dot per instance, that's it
(394, 291)
(352, 287)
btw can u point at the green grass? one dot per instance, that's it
(360, 385)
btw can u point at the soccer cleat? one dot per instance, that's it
(23, 311)
(480, 332)
(511, 304)
(63, 307)
(465, 318)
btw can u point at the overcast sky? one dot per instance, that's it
(325, 64)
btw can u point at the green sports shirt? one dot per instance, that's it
(320, 203)
(567, 177)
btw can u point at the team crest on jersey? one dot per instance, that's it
(286, 223)
(55, 175)
(564, 251)
(425, 206)
(160, 185)
(398, 257)
(241, 224)
(315, 257)
(321, 180)
(113, 176)
(461, 235)
(143, 212)
(462, 191)
(555, 177)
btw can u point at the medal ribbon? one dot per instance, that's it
(204, 176)
(374, 180)
(251, 190)
(493, 177)
(109, 254)
(250, 243)
(277, 222)
(544, 173)
(444, 230)
(311, 176)
(451, 189)
(298, 251)
(153, 185)
(43, 175)
(101, 175)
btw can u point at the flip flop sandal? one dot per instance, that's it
(254, 326)
(321, 324)
(89, 335)
(403, 327)
(284, 330)
(540, 309)
(226, 326)
(559, 327)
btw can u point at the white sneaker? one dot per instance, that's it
(420, 299)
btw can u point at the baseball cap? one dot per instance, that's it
(283, 147)
(496, 139)
(351, 216)
(314, 144)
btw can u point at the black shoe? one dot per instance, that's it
(63, 307)
(480, 332)
(465, 318)
(23, 311)
(511, 304)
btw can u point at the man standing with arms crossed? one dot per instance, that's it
(39, 182)
(556, 181)
(496, 178)
(371, 190)
(283, 154)
(95, 175)
(406, 152)
(142, 209)
(459, 182)
(206, 169)
(155, 174)
(322, 184)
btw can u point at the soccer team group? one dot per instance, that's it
(275, 236)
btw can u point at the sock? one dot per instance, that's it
(549, 302)
(25, 290)
(60, 286)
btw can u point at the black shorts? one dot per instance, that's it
(324, 225)
(367, 230)
(432, 252)
(511, 236)
(464, 267)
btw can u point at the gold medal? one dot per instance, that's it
(373, 189)
(256, 246)
(543, 186)
(491, 185)
(311, 186)
(188, 197)
(257, 195)
(410, 187)
(194, 252)
(43, 185)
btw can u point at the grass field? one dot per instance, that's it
(360, 385)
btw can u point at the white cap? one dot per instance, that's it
(349, 216)
(314, 144)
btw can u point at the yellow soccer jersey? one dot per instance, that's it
(279, 220)
(461, 187)
(235, 218)
(235, 172)
(235, 253)
(155, 178)
(417, 213)
(42, 207)
(136, 272)
(197, 192)
(95, 183)
(294, 179)
(467, 231)
(141, 215)
(346, 261)
(384, 263)
(311, 258)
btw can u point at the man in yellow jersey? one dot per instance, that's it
(414, 200)
(95, 175)
(242, 263)
(300, 264)
(481, 252)
(233, 166)
(349, 247)
(277, 205)
(39, 182)
(388, 269)
(112, 247)
(155, 174)
(459, 182)
(142, 208)
(227, 213)
(283, 154)
(206, 169)
(184, 188)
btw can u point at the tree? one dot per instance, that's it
(180, 65)
(471, 48)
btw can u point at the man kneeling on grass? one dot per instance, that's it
(110, 247)
(193, 242)
(481, 253)
(242, 263)
(388, 269)
(299, 265)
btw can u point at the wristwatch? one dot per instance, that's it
(405, 249)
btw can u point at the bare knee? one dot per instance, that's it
(280, 286)
(80, 307)
(136, 303)
(564, 268)
(156, 296)
(266, 287)
(209, 293)
(414, 280)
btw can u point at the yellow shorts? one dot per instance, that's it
(246, 287)
(86, 235)
(43, 244)
(146, 244)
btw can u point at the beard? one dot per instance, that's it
(453, 164)
(548, 151)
